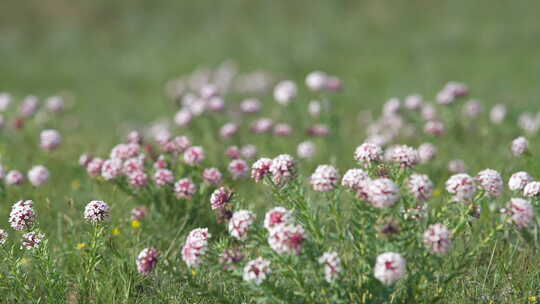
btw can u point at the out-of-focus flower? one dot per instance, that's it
(332, 266)
(382, 193)
(185, 188)
(111, 169)
(54, 104)
(532, 189)
(434, 127)
(519, 180)
(238, 168)
(282, 129)
(163, 177)
(414, 102)
(316, 80)
(420, 186)
(462, 186)
(50, 140)
(212, 176)
(306, 150)
(147, 260)
(261, 125)
(137, 179)
(429, 112)
(390, 267)
(14, 177)
(277, 216)
(233, 152)
(319, 130)
(257, 270)
(285, 91)
(134, 137)
(426, 152)
(250, 105)
(85, 159)
(520, 212)
(248, 151)
(97, 211)
(473, 108)
(139, 213)
(228, 130)
(519, 146)
(177, 144)
(497, 114)
(5, 101)
(325, 178)
(29, 106)
(194, 155)
(32, 240)
(240, 224)
(3, 236)
(38, 175)
(183, 117)
(314, 108)
(287, 239)
(404, 155)
(230, 257)
(391, 107)
(354, 178)
(437, 239)
(22, 215)
(94, 167)
(220, 197)
(457, 166)
(490, 181)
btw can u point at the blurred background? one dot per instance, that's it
(116, 56)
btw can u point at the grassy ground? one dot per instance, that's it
(114, 58)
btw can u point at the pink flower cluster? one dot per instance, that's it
(195, 247)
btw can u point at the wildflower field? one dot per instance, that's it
(269, 151)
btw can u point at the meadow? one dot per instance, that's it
(142, 85)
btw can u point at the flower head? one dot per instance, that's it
(238, 168)
(212, 176)
(163, 177)
(38, 176)
(368, 153)
(332, 266)
(437, 239)
(257, 270)
(97, 211)
(147, 260)
(32, 240)
(220, 197)
(390, 267)
(276, 217)
(532, 189)
(519, 180)
(22, 215)
(420, 186)
(520, 212)
(519, 146)
(240, 224)
(287, 239)
(50, 140)
(195, 246)
(3, 236)
(282, 169)
(382, 193)
(325, 178)
(491, 182)
(185, 188)
(462, 186)
(194, 155)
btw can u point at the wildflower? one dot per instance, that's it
(314, 108)
(404, 155)
(462, 186)
(319, 130)
(137, 179)
(306, 149)
(532, 189)
(97, 211)
(230, 257)
(391, 107)
(138, 213)
(32, 240)
(212, 176)
(520, 211)
(163, 177)
(54, 104)
(3, 236)
(131, 165)
(420, 186)
(287, 239)
(277, 216)
(136, 224)
(22, 215)
(228, 130)
(183, 117)
(233, 152)
(520, 146)
(94, 167)
(14, 177)
(257, 270)
(282, 169)
(250, 105)
(332, 266)
(414, 102)
(434, 127)
(354, 178)
(437, 239)
(5, 101)
(390, 267)
(472, 108)
(368, 153)
(498, 113)
(316, 81)
(325, 178)
(285, 91)
(195, 246)
(240, 224)
(38, 176)
(429, 112)
(220, 197)
(29, 106)
(50, 140)
(185, 188)
(111, 168)
(194, 155)
(81, 246)
(519, 180)
(116, 231)
(147, 260)
(457, 166)
(490, 181)
(238, 168)
(134, 137)
(261, 125)
(282, 129)
(382, 193)
(426, 152)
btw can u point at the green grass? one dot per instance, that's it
(114, 58)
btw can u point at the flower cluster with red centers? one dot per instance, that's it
(147, 260)
(195, 247)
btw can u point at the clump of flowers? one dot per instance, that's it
(332, 266)
(520, 212)
(147, 260)
(420, 186)
(276, 217)
(383, 193)
(195, 247)
(519, 146)
(282, 169)
(462, 186)
(325, 178)
(491, 182)
(240, 224)
(50, 140)
(368, 153)
(22, 215)
(97, 211)
(390, 267)
(354, 179)
(38, 176)
(532, 189)
(437, 239)
(287, 239)
(260, 169)
(32, 240)
(220, 197)
(519, 180)
(185, 188)
(257, 270)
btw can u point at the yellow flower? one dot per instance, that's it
(533, 299)
(116, 231)
(135, 224)
(193, 271)
(81, 246)
(75, 184)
